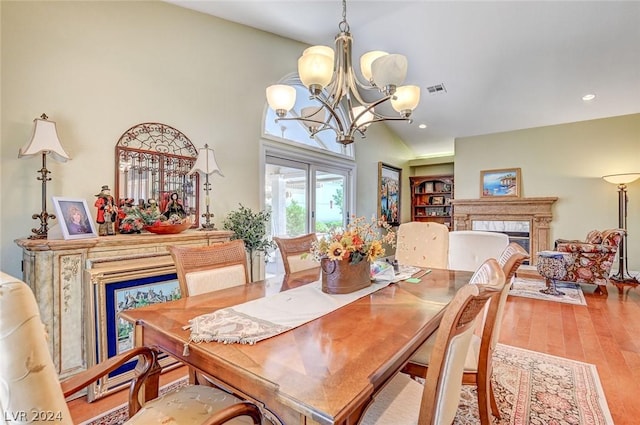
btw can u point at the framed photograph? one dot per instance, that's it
(500, 183)
(437, 200)
(389, 179)
(74, 218)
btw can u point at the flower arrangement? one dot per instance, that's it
(361, 240)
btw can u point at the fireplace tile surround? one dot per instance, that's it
(537, 212)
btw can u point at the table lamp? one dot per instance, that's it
(622, 180)
(44, 141)
(207, 165)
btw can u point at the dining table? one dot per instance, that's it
(325, 371)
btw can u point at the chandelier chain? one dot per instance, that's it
(343, 26)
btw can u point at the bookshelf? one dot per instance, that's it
(431, 199)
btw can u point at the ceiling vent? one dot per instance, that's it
(437, 89)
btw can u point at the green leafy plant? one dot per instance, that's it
(251, 227)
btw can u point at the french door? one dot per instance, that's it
(305, 195)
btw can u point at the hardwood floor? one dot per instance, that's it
(606, 333)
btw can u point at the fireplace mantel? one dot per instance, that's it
(538, 211)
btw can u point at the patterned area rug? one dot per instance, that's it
(530, 288)
(119, 414)
(536, 388)
(530, 388)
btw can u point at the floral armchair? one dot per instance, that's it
(590, 261)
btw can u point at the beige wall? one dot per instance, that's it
(97, 68)
(566, 161)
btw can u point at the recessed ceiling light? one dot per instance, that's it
(422, 126)
(588, 97)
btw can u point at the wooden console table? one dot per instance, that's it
(58, 272)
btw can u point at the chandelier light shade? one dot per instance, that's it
(44, 141)
(333, 83)
(622, 180)
(207, 165)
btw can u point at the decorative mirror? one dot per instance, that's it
(152, 162)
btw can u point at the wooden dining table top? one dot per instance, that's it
(324, 371)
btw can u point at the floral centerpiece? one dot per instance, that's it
(345, 255)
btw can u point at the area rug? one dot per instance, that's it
(536, 388)
(530, 288)
(119, 414)
(530, 388)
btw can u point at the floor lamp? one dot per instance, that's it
(622, 180)
(207, 165)
(44, 141)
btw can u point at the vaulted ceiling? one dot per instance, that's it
(505, 65)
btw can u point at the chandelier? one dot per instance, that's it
(343, 102)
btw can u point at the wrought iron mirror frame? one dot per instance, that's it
(162, 157)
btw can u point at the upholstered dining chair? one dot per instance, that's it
(292, 250)
(511, 258)
(209, 268)
(29, 382)
(422, 244)
(478, 363)
(405, 401)
(468, 249)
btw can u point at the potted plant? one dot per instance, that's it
(251, 227)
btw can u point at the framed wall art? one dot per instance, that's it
(74, 218)
(505, 182)
(389, 181)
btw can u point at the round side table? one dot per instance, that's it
(552, 267)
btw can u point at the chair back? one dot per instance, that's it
(204, 269)
(28, 378)
(511, 258)
(423, 244)
(441, 394)
(468, 249)
(292, 249)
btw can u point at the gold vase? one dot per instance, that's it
(343, 277)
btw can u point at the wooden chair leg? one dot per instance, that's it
(492, 400)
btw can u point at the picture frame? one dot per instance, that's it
(74, 218)
(437, 200)
(389, 191)
(501, 183)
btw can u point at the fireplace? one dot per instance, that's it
(525, 220)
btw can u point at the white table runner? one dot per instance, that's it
(263, 318)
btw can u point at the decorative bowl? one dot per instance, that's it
(168, 229)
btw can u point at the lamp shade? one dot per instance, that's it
(621, 178)
(315, 69)
(406, 99)
(367, 59)
(281, 98)
(315, 113)
(389, 70)
(44, 140)
(206, 162)
(362, 121)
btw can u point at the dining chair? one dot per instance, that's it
(468, 249)
(30, 384)
(511, 259)
(422, 244)
(292, 250)
(202, 269)
(478, 364)
(403, 400)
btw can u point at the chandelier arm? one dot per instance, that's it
(334, 114)
(326, 125)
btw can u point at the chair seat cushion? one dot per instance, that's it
(191, 404)
(423, 355)
(397, 403)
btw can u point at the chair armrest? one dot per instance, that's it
(563, 241)
(147, 365)
(235, 410)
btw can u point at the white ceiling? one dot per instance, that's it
(506, 65)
